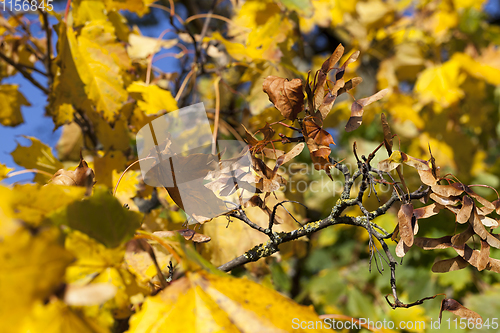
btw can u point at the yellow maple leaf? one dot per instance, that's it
(326, 12)
(202, 302)
(99, 66)
(11, 100)
(140, 47)
(36, 156)
(33, 202)
(7, 223)
(404, 108)
(140, 7)
(87, 10)
(105, 163)
(464, 4)
(153, 98)
(57, 317)
(32, 267)
(486, 67)
(441, 84)
(98, 264)
(68, 89)
(4, 170)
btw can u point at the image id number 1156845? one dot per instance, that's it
(26, 5)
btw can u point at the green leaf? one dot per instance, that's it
(10, 105)
(101, 217)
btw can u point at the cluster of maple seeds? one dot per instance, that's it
(288, 98)
(461, 200)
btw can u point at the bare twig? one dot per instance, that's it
(24, 73)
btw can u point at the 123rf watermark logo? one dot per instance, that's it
(26, 5)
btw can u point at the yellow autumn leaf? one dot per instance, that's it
(464, 4)
(142, 266)
(105, 163)
(97, 264)
(68, 91)
(254, 38)
(326, 12)
(36, 156)
(32, 268)
(201, 302)
(7, 223)
(140, 7)
(4, 170)
(57, 317)
(33, 202)
(442, 152)
(87, 10)
(404, 108)
(99, 66)
(127, 189)
(11, 100)
(486, 67)
(441, 84)
(153, 98)
(442, 22)
(140, 47)
(116, 137)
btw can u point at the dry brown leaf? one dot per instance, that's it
(259, 145)
(445, 201)
(351, 84)
(464, 213)
(496, 203)
(357, 109)
(289, 155)
(484, 210)
(458, 309)
(449, 265)
(326, 105)
(446, 190)
(287, 96)
(405, 216)
(480, 230)
(488, 221)
(329, 64)
(427, 177)
(427, 211)
(433, 243)
(272, 153)
(317, 139)
(401, 248)
(484, 256)
(474, 257)
(479, 198)
(81, 176)
(463, 237)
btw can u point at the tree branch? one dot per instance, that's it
(24, 73)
